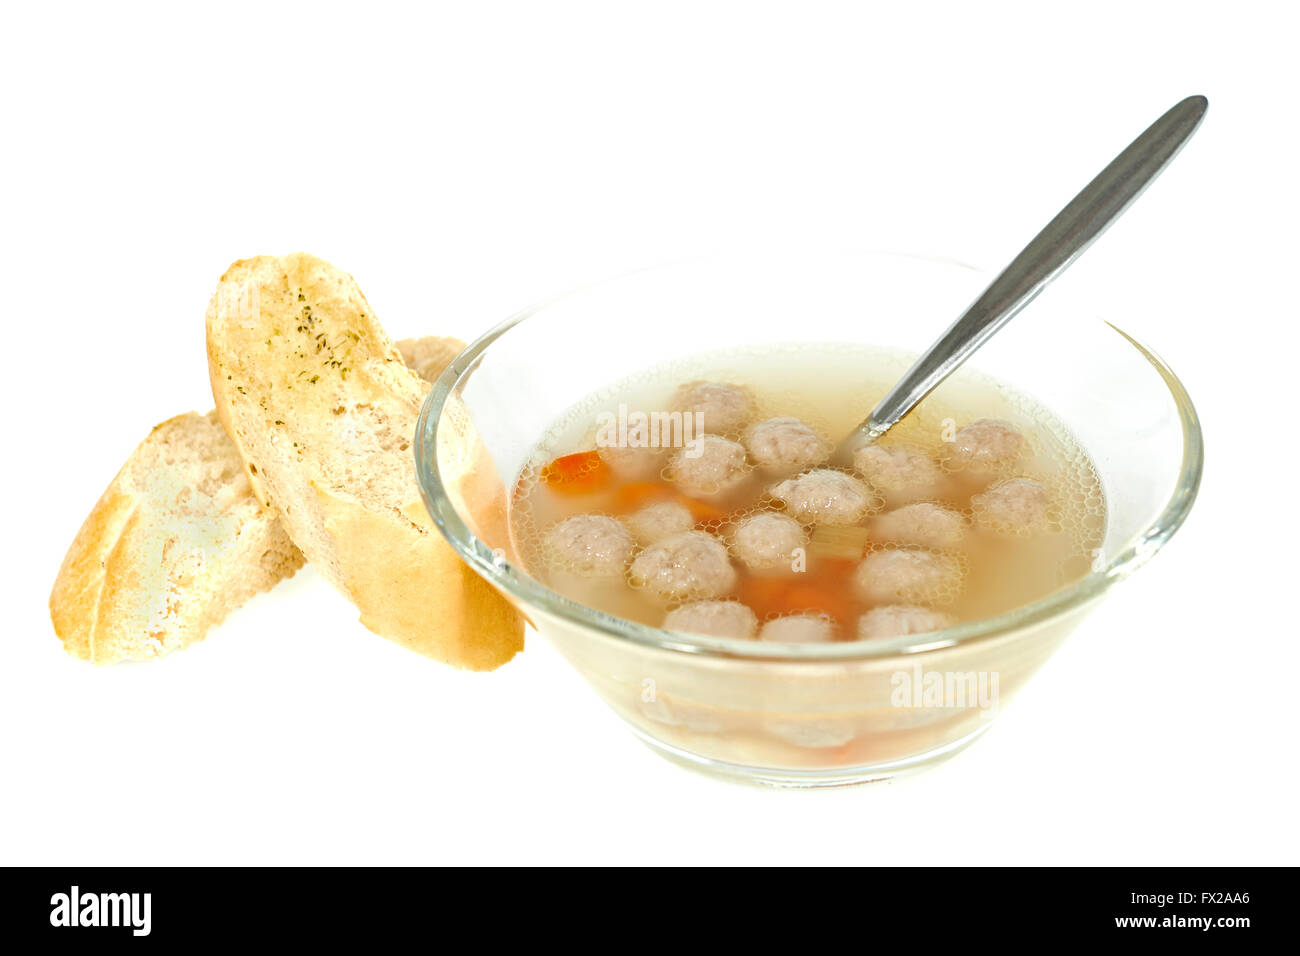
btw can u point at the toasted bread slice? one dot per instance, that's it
(179, 540)
(174, 544)
(322, 409)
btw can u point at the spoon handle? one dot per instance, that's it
(1050, 252)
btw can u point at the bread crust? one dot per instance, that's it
(111, 596)
(157, 562)
(322, 409)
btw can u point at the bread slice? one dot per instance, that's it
(176, 542)
(429, 355)
(179, 540)
(322, 409)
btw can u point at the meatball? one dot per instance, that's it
(1017, 506)
(714, 618)
(799, 629)
(709, 466)
(767, 541)
(675, 712)
(923, 524)
(785, 446)
(589, 545)
(899, 472)
(985, 445)
(722, 409)
(826, 497)
(898, 620)
(632, 464)
(663, 520)
(892, 576)
(693, 564)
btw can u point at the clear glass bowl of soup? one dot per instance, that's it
(821, 712)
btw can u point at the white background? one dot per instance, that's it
(464, 160)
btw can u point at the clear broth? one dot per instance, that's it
(830, 388)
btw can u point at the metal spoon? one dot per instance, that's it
(1050, 252)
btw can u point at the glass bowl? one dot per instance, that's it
(790, 714)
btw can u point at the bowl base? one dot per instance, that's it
(794, 779)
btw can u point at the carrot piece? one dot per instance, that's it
(819, 597)
(638, 494)
(765, 596)
(837, 570)
(580, 473)
(701, 511)
(771, 596)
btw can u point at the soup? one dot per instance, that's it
(702, 497)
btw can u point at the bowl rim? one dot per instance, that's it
(532, 594)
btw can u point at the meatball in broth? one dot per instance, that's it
(741, 526)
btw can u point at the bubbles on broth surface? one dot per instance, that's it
(992, 542)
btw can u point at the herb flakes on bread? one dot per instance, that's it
(179, 540)
(322, 408)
